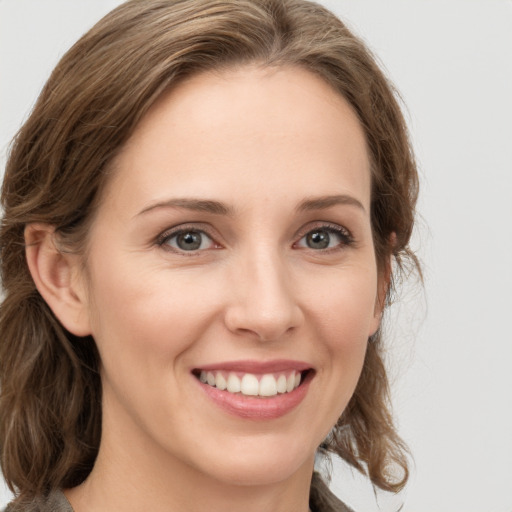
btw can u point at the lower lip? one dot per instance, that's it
(257, 408)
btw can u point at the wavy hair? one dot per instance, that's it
(50, 398)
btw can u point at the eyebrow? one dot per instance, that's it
(198, 205)
(218, 208)
(325, 202)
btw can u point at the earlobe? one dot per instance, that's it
(57, 277)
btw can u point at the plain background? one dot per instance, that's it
(450, 341)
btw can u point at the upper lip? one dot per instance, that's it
(252, 366)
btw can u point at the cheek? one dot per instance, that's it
(346, 335)
(149, 312)
(344, 321)
(345, 307)
(341, 340)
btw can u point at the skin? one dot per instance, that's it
(261, 142)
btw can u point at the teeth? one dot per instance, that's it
(281, 384)
(250, 385)
(290, 382)
(268, 386)
(220, 381)
(233, 383)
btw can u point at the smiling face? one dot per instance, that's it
(231, 277)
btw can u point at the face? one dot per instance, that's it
(231, 257)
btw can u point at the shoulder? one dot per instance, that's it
(54, 502)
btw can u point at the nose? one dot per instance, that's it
(264, 302)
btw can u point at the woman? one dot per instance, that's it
(204, 217)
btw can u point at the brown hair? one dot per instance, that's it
(50, 402)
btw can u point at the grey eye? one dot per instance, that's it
(319, 239)
(190, 241)
(325, 237)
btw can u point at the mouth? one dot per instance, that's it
(248, 384)
(255, 390)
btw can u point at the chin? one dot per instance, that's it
(256, 463)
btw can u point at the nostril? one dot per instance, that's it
(265, 329)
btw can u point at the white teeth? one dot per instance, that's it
(233, 383)
(250, 385)
(268, 386)
(290, 382)
(220, 381)
(281, 384)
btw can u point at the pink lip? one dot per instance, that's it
(258, 408)
(257, 367)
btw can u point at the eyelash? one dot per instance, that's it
(166, 236)
(346, 238)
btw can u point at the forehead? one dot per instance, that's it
(247, 126)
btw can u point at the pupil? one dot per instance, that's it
(189, 241)
(318, 240)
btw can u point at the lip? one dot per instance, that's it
(258, 408)
(258, 367)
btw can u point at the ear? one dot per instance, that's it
(58, 278)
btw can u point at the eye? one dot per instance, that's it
(325, 237)
(187, 240)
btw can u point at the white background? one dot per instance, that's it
(450, 343)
